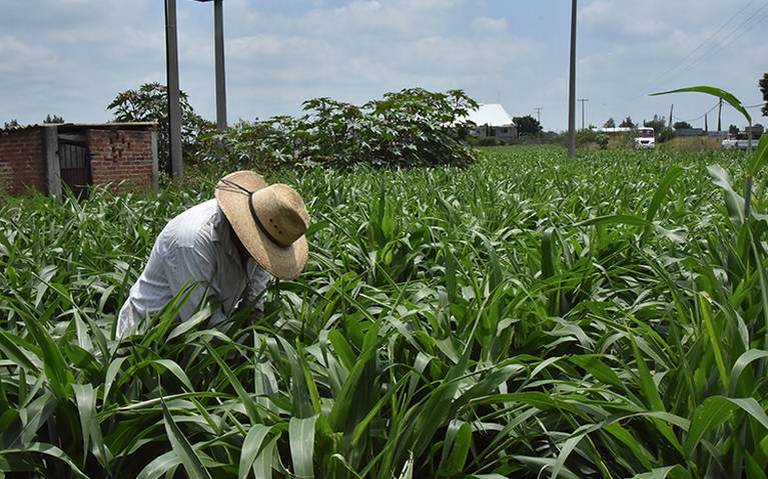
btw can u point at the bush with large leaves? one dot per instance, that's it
(149, 102)
(407, 128)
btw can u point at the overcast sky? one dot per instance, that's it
(71, 57)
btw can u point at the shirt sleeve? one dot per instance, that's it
(193, 266)
(257, 284)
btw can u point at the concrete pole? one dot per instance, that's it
(221, 93)
(174, 106)
(572, 87)
(582, 101)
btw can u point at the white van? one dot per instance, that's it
(645, 138)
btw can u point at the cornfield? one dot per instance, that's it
(527, 316)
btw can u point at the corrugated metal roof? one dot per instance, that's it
(492, 114)
(132, 125)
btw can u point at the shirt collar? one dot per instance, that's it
(223, 235)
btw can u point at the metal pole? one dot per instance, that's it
(719, 114)
(582, 101)
(174, 107)
(671, 109)
(572, 87)
(538, 119)
(221, 93)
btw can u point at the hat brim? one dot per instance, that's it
(284, 262)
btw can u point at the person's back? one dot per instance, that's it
(223, 250)
(195, 249)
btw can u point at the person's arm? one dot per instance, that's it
(195, 267)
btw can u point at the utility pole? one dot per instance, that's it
(221, 91)
(706, 127)
(671, 108)
(218, 44)
(538, 118)
(572, 87)
(582, 101)
(172, 74)
(719, 114)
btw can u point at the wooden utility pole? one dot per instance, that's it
(572, 87)
(172, 73)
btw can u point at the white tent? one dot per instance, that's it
(492, 114)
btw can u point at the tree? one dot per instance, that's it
(658, 123)
(733, 129)
(53, 119)
(682, 125)
(527, 125)
(10, 125)
(763, 83)
(610, 123)
(627, 123)
(150, 103)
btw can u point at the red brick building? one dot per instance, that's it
(45, 157)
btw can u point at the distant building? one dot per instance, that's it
(492, 120)
(756, 130)
(45, 157)
(689, 132)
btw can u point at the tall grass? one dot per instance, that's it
(528, 316)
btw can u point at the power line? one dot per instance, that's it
(698, 47)
(732, 37)
(756, 105)
(717, 103)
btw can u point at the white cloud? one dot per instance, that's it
(71, 57)
(489, 25)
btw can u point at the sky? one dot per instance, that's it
(71, 57)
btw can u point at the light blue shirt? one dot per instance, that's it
(195, 248)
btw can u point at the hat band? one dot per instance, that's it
(260, 224)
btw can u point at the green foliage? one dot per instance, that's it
(763, 84)
(682, 125)
(658, 123)
(527, 125)
(483, 141)
(526, 316)
(664, 134)
(12, 124)
(150, 103)
(627, 123)
(53, 119)
(412, 127)
(610, 123)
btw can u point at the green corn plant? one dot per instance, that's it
(526, 316)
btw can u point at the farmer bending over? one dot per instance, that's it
(227, 247)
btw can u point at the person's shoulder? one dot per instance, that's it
(194, 227)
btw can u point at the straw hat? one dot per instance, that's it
(270, 221)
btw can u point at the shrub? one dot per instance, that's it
(150, 103)
(413, 127)
(602, 139)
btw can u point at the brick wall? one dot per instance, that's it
(121, 155)
(22, 163)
